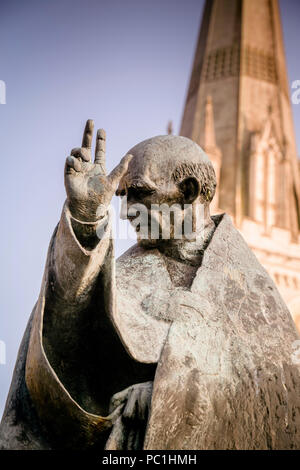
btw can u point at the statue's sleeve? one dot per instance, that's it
(79, 254)
(79, 251)
(78, 274)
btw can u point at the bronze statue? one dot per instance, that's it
(185, 343)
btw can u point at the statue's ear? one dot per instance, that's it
(190, 188)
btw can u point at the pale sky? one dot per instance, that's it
(124, 63)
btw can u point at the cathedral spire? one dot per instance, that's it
(239, 67)
(238, 102)
(209, 132)
(211, 148)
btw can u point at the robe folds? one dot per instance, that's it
(221, 354)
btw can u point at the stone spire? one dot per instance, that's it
(211, 147)
(239, 67)
(209, 130)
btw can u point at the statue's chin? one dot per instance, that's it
(155, 243)
(148, 243)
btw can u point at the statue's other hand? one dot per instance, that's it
(89, 190)
(136, 401)
(129, 429)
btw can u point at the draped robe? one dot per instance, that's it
(221, 353)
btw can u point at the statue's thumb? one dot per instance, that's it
(120, 170)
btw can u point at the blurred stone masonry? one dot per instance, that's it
(239, 77)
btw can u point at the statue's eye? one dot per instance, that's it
(138, 193)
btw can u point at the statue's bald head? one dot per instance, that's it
(174, 174)
(168, 162)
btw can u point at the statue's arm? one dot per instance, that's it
(83, 236)
(77, 255)
(51, 383)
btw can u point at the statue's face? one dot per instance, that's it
(152, 200)
(144, 200)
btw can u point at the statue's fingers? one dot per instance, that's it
(130, 411)
(116, 413)
(133, 439)
(118, 399)
(88, 134)
(116, 440)
(73, 163)
(100, 149)
(138, 441)
(143, 404)
(117, 173)
(82, 152)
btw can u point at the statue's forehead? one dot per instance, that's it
(149, 170)
(155, 159)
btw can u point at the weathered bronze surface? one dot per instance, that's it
(180, 344)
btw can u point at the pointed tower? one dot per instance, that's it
(211, 148)
(238, 109)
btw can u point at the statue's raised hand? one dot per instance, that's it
(89, 189)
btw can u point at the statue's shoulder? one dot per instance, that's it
(218, 217)
(229, 253)
(228, 237)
